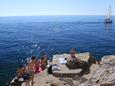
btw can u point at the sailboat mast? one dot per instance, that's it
(110, 13)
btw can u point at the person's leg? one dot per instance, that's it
(32, 79)
(26, 83)
(84, 66)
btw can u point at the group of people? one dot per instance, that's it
(26, 72)
(34, 65)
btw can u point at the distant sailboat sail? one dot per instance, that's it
(108, 18)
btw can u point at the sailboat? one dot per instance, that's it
(108, 18)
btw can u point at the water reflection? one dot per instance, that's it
(108, 27)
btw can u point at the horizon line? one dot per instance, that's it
(45, 15)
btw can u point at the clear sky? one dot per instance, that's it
(55, 7)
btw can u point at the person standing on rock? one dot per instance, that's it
(44, 62)
(32, 68)
(74, 63)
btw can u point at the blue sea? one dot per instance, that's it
(24, 36)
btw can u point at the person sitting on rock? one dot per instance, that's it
(22, 73)
(39, 68)
(74, 63)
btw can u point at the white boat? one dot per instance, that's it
(108, 18)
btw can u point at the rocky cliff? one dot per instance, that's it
(104, 75)
(100, 75)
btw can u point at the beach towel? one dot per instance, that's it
(62, 60)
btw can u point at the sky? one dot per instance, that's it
(55, 7)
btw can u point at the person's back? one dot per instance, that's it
(21, 70)
(43, 63)
(32, 68)
(45, 59)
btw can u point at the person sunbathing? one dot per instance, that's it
(74, 63)
(22, 73)
(38, 66)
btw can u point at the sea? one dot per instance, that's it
(24, 36)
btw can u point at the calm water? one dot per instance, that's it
(21, 37)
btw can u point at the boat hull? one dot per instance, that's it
(108, 21)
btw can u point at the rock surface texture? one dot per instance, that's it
(100, 75)
(104, 75)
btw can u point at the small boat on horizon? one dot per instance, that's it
(108, 18)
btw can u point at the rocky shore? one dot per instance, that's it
(102, 74)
